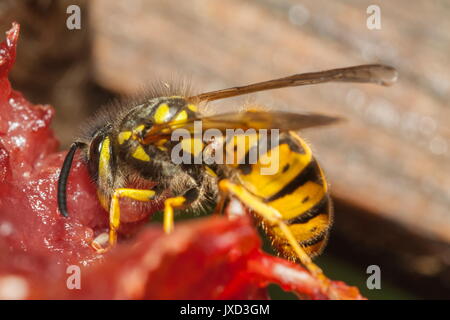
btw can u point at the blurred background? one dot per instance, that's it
(388, 165)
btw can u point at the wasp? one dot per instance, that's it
(130, 149)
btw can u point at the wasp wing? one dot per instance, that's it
(252, 119)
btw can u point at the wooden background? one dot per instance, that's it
(388, 164)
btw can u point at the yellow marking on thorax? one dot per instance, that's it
(103, 162)
(182, 116)
(192, 107)
(162, 113)
(140, 154)
(123, 136)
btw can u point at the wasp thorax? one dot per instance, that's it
(140, 121)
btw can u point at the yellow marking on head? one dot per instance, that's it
(162, 113)
(140, 154)
(103, 162)
(123, 136)
(192, 107)
(182, 116)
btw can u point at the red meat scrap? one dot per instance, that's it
(41, 251)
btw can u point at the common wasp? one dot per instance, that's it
(129, 149)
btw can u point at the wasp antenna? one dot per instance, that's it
(63, 176)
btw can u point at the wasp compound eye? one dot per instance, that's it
(94, 154)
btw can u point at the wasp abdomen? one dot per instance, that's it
(297, 189)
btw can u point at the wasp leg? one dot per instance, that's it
(169, 205)
(177, 203)
(114, 212)
(271, 216)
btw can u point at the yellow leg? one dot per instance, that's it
(169, 205)
(114, 211)
(270, 216)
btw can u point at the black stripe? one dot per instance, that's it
(315, 240)
(176, 105)
(310, 242)
(318, 208)
(310, 173)
(174, 109)
(246, 167)
(293, 145)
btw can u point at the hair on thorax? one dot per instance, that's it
(114, 111)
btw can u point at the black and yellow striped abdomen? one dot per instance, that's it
(297, 189)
